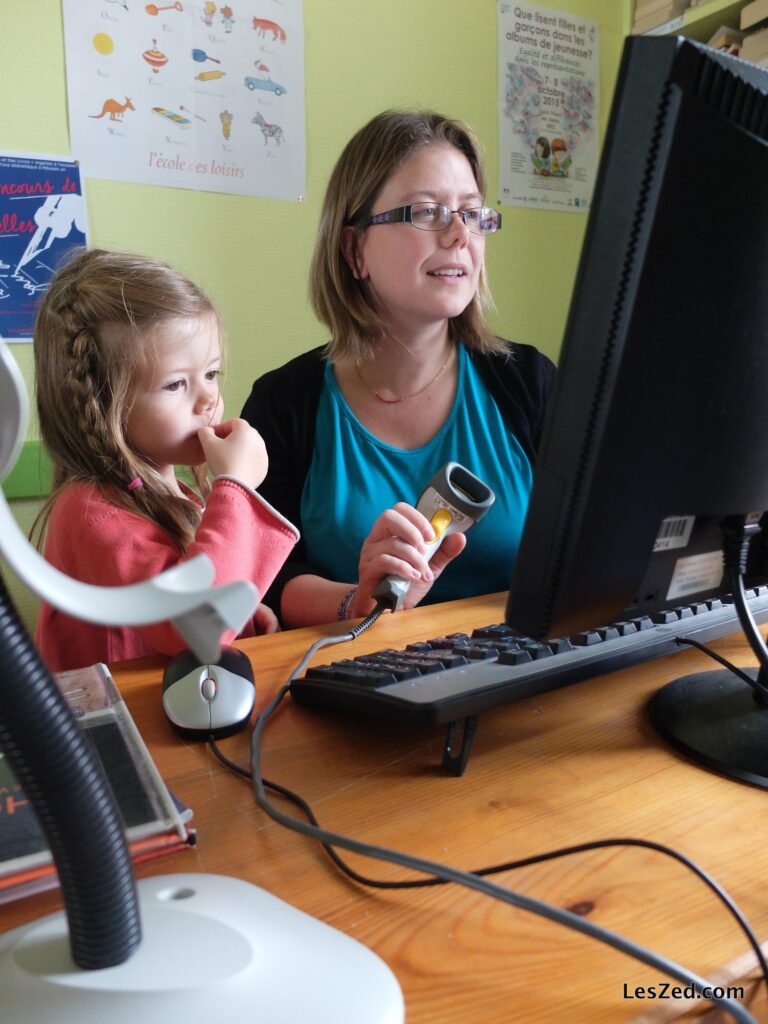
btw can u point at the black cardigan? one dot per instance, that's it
(283, 406)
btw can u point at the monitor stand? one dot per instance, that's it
(214, 948)
(715, 719)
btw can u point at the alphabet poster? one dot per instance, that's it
(42, 218)
(197, 95)
(548, 106)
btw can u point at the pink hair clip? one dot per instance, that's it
(135, 484)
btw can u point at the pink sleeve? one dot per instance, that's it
(244, 537)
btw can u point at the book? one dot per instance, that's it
(755, 46)
(657, 17)
(155, 821)
(727, 39)
(645, 7)
(753, 13)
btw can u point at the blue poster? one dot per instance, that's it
(42, 219)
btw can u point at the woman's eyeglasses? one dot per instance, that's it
(481, 220)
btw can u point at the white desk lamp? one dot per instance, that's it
(212, 946)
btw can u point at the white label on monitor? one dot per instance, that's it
(696, 573)
(674, 532)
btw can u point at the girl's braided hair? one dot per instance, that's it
(95, 336)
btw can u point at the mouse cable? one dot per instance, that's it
(512, 865)
(473, 881)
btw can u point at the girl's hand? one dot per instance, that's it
(265, 620)
(397, 546)
(234, 448)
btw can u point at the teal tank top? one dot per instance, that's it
(353, 477)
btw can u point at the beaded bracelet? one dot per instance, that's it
(346, 601)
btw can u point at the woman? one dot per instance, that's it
(412, 378)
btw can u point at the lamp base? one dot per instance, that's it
(213, 946)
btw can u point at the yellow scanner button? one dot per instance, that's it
(440, 522)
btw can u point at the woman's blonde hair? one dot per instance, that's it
(341, 301)
(94, 338)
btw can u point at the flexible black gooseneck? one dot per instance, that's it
(64, 783)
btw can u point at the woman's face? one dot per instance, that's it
(421, 278)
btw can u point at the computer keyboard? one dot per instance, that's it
(450, 678)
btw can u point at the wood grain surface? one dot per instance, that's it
(579, 764)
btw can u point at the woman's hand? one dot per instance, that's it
(397, 546)
(234, 448)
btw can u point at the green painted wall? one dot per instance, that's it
(252, 255)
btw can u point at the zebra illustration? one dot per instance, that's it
(269, 131)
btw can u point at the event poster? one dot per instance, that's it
(548, 107)
(200, 95)
(42, 218)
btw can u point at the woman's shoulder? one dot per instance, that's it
(307, 367)
(517, 361)
(518, 353)
(287, 396)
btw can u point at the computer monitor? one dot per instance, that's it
(657, 427)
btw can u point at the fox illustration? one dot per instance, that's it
(262, 26)
(114, 109)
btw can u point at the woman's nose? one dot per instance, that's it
(457, 232)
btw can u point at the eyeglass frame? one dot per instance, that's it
(402, 215)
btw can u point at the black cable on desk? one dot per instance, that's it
(473, 881)
(513, 865)
(442, 874)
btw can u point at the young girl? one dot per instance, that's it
(411, 378)
(127, 358)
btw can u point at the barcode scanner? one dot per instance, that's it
(453, 501)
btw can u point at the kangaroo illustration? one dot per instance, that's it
(114, 109)
(262, 26)
(269, 131)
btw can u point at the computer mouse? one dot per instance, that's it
(209, 700)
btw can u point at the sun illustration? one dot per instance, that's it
(103, 43)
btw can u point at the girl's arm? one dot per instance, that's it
(94, 541)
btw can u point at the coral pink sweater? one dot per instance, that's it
(97, 542)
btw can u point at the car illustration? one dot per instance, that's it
(264, 83)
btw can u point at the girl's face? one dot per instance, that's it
(419, 279)
(177, 395)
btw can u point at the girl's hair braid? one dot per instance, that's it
(92, 340)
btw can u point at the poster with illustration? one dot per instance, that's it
(42, 219)
(548, 107)
(200, 95)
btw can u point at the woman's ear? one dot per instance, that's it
(351, 249)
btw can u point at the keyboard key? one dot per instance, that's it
(361, 676)
(608, 633)
(518, 657)
(625, 628)
(643, 622)
(586, 639)
(498, 632)
(663, 618)
(560, 645)
(536, 650)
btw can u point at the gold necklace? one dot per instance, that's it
(403, 398)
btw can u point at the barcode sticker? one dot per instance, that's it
(674, 532)
(696, 573)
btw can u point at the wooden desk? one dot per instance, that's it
(578, 764)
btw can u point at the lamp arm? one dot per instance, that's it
(64, 783)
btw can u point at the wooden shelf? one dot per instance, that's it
(703, 21)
